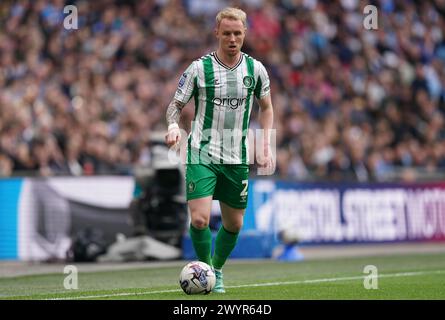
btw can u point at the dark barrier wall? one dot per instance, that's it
(332, 213)
(38, 217)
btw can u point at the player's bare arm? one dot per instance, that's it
(266, 123)
(174, 111)
(173, 115)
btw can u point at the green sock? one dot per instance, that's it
(224, 243)
(202, 242)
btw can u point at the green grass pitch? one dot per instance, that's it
(414, 276)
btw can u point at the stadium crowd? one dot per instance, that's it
(350, 103)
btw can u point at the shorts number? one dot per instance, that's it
(244, 192)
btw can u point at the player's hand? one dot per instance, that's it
(173, 136)
(266, 161)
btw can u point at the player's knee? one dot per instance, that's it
(235, 226)
(200, 222)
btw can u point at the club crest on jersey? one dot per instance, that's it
(248, 81)
(182, 80)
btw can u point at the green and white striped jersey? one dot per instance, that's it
(223, 103)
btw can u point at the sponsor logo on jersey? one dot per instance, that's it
(233, 103)
(248, 81)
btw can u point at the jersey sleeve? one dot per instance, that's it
(262, 87)
(186, 84)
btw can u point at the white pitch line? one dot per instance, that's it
(267, 284)
(122, 294)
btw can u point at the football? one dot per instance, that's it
(197, 278)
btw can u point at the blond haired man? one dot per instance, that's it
(224, 84)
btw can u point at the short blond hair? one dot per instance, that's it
(232, 13)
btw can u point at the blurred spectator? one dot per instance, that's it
(6, 165)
